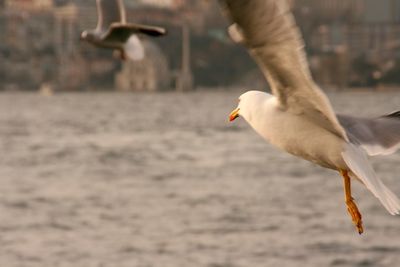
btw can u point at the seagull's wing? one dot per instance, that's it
(121, 9)
(378, 136)
(119, 32)
(270, 33)
(108, 12)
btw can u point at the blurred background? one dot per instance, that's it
(349, 43)
(94, 173)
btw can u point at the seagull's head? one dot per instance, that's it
(249, 104)
(87, 36)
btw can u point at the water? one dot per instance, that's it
(165, 180)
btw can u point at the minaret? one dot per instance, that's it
(185, 79)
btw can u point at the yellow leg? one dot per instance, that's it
(351, 205)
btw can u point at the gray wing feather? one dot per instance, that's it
(274, 40)
(378, 136)
(108, 12)
(121, 32)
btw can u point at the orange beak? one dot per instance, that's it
(234, 114)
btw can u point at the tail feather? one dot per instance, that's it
(134, 49)
(357, 161)
(394, 201)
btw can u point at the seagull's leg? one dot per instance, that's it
(120, 54)
(351, 205)
(123, 54)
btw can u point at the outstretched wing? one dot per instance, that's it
(119, 32)
(268, 30)
(378, 136)
(108, 12)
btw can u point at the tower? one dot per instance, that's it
(185, 78)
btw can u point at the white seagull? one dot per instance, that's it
(298, 117)
(114, 32)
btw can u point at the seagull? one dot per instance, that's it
(298, 117)
(114, 32)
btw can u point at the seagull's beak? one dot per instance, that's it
(234, 114)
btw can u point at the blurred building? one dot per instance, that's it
(329, 10)
(29, 4)
(172, 4)
(40, 44)
(343, 33)
(172, 12)
(383, 11)
(349, 42)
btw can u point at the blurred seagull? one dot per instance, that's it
(114, 32)
(298, 117)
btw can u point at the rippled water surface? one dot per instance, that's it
(164, 180)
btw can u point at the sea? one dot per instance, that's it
(165, 180)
